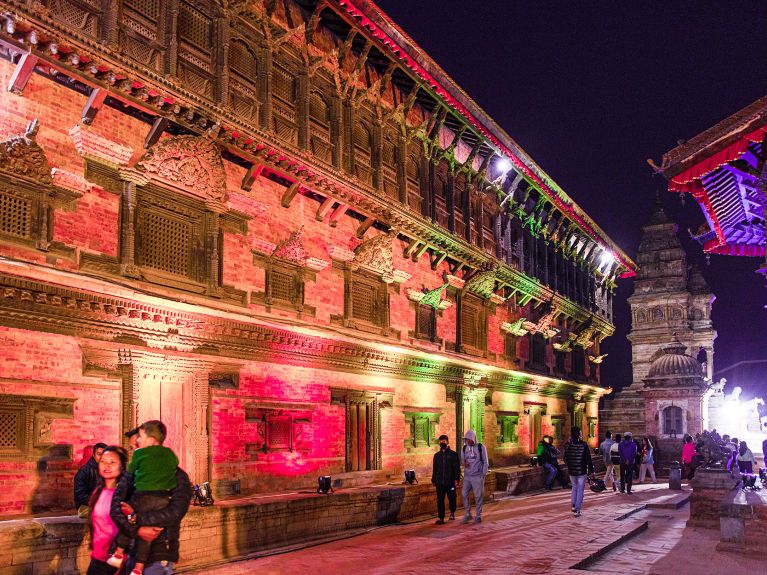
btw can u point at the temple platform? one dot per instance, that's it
(743, 521)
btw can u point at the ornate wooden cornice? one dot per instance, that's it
(40, 306)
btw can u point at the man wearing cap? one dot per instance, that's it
(628, 452)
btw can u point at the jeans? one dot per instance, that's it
(579, 487)
(551, 473)
(443, 490)
(157, 568)
(475, 483)
(644, 468)
(627, 476)
(609, 474)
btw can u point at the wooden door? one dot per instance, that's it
(172, 415)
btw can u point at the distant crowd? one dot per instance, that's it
(737, 455)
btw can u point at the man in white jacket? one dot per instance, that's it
(475, 467)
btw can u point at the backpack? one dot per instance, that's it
(615, 456)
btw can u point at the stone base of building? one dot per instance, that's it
(229, 529)
(710, 488)
(743, 521)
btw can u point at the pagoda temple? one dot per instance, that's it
(281, 228)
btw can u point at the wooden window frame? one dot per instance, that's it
(34, 435)
(535, 343)
(508, 427)
(428, 421)
(352, 280)
(479, 347)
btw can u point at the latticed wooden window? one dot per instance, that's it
(362, 152)
(422, 429)
(319, 119)
(195, 27)
(15, 216)
(412, 175)
(510, 346)
(284, 85)
(243, 61)
(165, 243)
(10, 430)
(283, 286)
(243, 86)
(278, 431)
(389, 166)
(142, 31)
(507, 427)
(364, 304)
(82, 15)
(426, 322)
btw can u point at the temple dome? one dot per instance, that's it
(675, 363)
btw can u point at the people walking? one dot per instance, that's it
(648, 461)
(446, 477)
(111, 467)
(688, 454)
(579, 465)
(628, 453)
(475, 467)
(604, 449)
(615, 459)
(86, 479)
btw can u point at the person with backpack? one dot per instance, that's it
(446, 477)
(475, 467)
(604, 449)
(544, 460)
(579, 466)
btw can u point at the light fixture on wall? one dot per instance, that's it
(324, 484)
(410, 477)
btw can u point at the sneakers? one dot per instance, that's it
(466, 519)
(572, 508)
(452, 517)
(439, 522)
(478, 520)
(577, 514)
(115, 560)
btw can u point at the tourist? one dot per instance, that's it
(159, 528)
(544, 460)
(732, 454)
(688, 454)
(648, 461)
(132, 436)
(604, 449)
(560, 476)
(637, 459)
(446, 477)
(628, 452)
(153, 468)
(579, 465)
(475, 467)
(615, 459)
(86, 480)
(745, 459)
(103, 530)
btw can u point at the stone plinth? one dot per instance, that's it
(743, 521)
(710, 487)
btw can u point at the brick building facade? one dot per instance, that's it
(283, 230)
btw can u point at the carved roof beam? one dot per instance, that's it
(22, 72)
(324, 208)
(289, 193)
(346, 48)
(437, 258)
(339, 211)
(159, 125)
(364, 227)
(93, 105)
(314, 21)
(250, 177)
(411, 247)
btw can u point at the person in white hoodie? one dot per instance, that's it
(475, 467)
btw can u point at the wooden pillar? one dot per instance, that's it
(221, 61)
(128, 202)
(170, 61)
(337, 131)
(302, 108)
(265, 88)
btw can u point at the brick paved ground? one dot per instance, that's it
(533, 534)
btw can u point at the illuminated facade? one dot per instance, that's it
(283, 230)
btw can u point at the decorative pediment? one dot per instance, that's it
(191, 163)
(22, 157)
(431, 298)
(377, 255)
(483, 283)
(290, 250)
(516, 328)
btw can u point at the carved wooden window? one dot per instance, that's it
(558, 426)
(285, 286)
(85, 16)
(510, 347)
(673, 420)
(196, 41)
(243, 80)
(537, 352)
(284, 104)
(169, 241)
(11, 429)
(459, 193)
(278, 432)
(657, 314)
(473, 324)
(422, 428)
(488, 230)
(508, 425)
(413, 176)
(15, 216)
(441, 192)
(389, 165)
(142, 31)
(579, 363)
(367, 301)
(26, 426)
(319, 125)
(363, 145)
(426, 322)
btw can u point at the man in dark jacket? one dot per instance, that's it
(579, 466)
(446, 476)
(86, 478)
(161, 527)
(628, 452)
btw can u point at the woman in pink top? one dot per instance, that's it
(103, 529)
(688, 454)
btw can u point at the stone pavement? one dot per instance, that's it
(535, 534)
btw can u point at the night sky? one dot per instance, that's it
(591, 90)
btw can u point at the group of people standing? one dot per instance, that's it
(633, 459)
(738, 455)
(134, 503)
